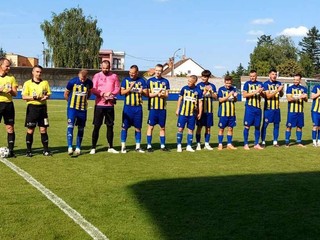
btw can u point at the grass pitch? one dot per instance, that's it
(268, 194)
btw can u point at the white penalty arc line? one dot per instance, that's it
(73, 214)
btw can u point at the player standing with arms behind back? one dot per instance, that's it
(77, 92)
(209, 93)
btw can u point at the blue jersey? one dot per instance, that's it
(296, 90)
(274, 102)
(155, 85)
(190, 98)
(315, 103)
(79, 92)
(226, 109)
(133, 98)
(250, 86)
(207, 90)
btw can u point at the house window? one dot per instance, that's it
(116, 63)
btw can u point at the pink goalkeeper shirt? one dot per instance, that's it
(103, 84)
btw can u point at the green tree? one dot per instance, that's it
(73, 39)
(310, 45)
(306, 63)
(271, 53)
(2, 52)
(289, 68)
(264, 39)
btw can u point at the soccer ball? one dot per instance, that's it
(4, 152)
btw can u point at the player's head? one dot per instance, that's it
(37, 72)
(205, 75)
(297, 79)
(273, 74)
(133, 71)
(5, 64)
(253, 75)
(192, 80)
(158, 70)
(105, 66)
(227, 81)
(83, 75)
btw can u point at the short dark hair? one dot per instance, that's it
(206, 73)
(228, 78)
(4, 59)
(273, 70)
(37, 66)
(253, 71)
(298, 75)
(135, 67)
(159, 65)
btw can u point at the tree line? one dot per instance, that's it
(281, 53)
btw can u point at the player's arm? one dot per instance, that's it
(214, 95)
(246, 94)
(66, 94)
(14, 90)
(290, 97)
(25, 93)
(178, 105)
(304, 96)
(95, 90)
(125, 91)
(144, 92)
(315, 95)
(200, 103)
(116, 88)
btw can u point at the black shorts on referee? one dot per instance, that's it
(36, 115)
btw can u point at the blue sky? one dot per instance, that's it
(216, 34)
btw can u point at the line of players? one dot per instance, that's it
(194, 108)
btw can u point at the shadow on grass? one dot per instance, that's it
(271, 206)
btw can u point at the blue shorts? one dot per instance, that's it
(252, 116)
(76, 117)
(315, 116)
(227, 122)
(189, 120)
(272, 116)
(295, 120)
(206, 120)
(132, 116)
(157, 116)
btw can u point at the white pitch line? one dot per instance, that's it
(73, 214)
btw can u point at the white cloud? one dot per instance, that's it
(263, 21)
(219, 67)
(252, 40)
(295, 32)
(256, 33)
